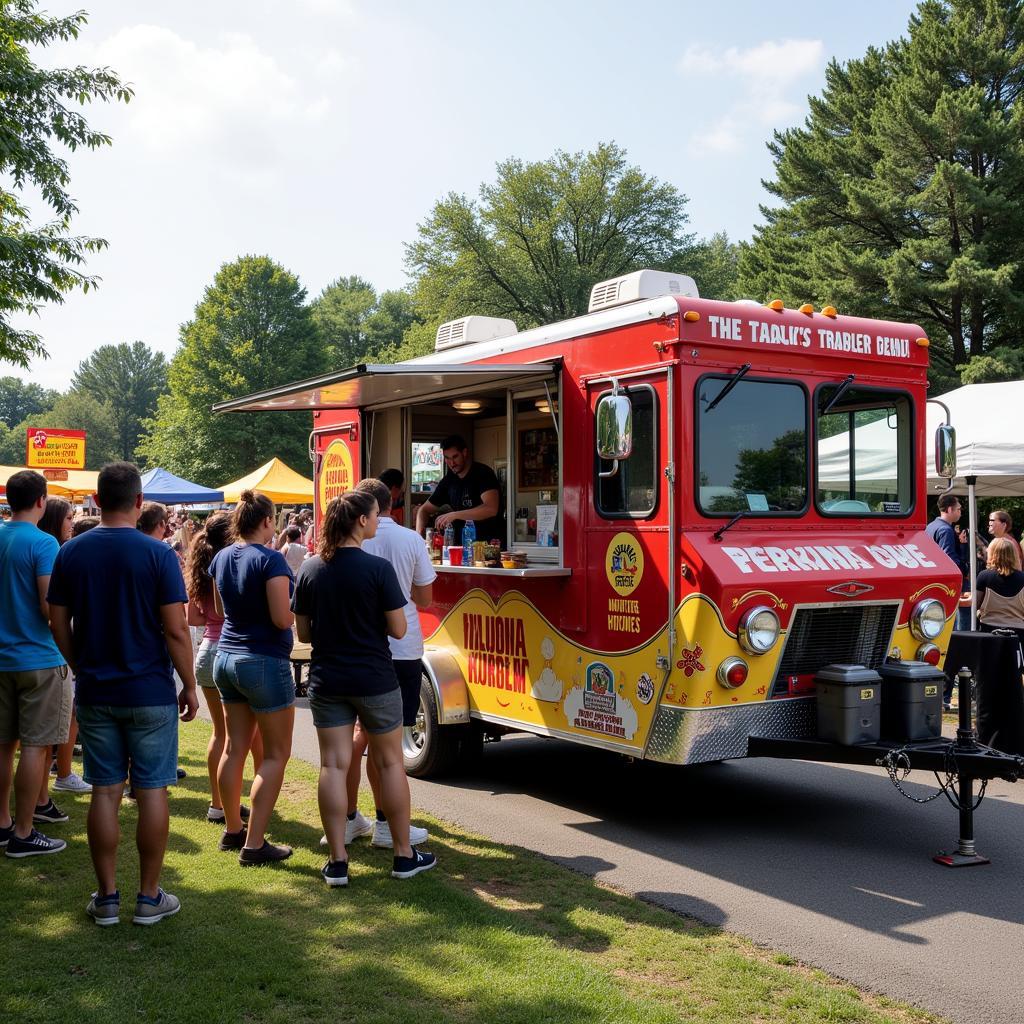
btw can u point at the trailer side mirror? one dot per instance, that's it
(614, 429)
(945, 451)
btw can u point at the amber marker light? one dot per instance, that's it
(777, 304)
(922, 342)
(691, 316)
(829, 311)
(807, 308)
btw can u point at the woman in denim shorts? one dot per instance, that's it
(252, 671)
(202, 611)
(347, 603)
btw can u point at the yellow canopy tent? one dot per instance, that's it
(79, 484)
(276, 480)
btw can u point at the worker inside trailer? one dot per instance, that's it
(470, 490)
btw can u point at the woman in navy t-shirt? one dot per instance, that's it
(252, 671)
(347, 603)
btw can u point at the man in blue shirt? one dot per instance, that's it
(117, 610)
(35, 690)
(942, 530)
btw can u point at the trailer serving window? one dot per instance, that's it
(864, 451)
(751, 446)
(632, 493)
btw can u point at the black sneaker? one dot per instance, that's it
(268, 853)
(35, 845)
(335, 872)
(6, 834)
(232, 840)
(50, 813)
(181, 773)
(406, 867)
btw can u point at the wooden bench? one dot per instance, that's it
(299, 657)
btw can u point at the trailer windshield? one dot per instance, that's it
(752, 447)
(864, 457)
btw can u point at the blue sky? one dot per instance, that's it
(320, 132)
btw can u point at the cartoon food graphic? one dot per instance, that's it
(547, 686)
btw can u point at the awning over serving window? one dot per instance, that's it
(374, 385)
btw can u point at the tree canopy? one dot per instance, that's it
(536, 240)
(251, 331)
(128, 378)
(900, 195)
(40, 262)
(19, 398)
(356, 324)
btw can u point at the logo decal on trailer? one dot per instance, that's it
(851, 589)
(624, 563)
(690, 661)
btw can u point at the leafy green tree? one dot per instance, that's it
(76, 410)
(251, 331)
(39, 263)
(130, 379)
(537, 240)
(899, 197)
(339, 313)
(1002, 363)
(19, 398)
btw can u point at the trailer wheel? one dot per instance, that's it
(428, 747)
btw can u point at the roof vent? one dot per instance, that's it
(641, 284)
(471, 329)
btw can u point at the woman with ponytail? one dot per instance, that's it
(202, 612)
(347, 603)
(252, 671)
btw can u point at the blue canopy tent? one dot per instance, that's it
(161, 485)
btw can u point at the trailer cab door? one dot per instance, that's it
(337, 458)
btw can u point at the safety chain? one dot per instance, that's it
(897, 764)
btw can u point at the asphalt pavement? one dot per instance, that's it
(826, 863)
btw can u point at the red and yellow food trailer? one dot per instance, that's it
(713, 499)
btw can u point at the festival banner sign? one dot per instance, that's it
(55, 449)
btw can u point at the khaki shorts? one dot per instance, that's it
(35, 706)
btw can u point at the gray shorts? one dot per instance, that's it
(35, 706)
(204, 664)
(378, 712)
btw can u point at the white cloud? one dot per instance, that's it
(765, 82)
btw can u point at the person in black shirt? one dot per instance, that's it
(347, 603)
(470, 489)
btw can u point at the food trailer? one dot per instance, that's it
(697, 528)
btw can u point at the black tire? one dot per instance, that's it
(428, 747)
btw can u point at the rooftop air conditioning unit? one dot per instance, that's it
(641, 284)
(471, 329)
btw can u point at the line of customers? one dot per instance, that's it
(115, 600)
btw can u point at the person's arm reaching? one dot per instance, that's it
(423, 513)
(179, 646)
(487, 509)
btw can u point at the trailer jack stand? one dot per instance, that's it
(965, 855)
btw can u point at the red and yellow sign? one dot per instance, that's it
(55, 449)
(624, 563)
(336, 473)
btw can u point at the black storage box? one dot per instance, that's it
(849, 704)
(911, 700)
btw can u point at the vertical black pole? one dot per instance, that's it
(966, 739)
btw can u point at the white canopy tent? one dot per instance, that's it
(989, 450)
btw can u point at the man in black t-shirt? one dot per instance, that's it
(470, 489)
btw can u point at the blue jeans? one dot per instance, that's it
(116, 739)
(262, 682)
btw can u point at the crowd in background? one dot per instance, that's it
(107, 603)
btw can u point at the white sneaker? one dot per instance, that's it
(73, 783)
(355, 828)
(382, 835)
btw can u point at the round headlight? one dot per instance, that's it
(758, 630)
(928, 619)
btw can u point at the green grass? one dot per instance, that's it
(493, 934)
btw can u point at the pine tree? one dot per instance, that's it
(900, 194)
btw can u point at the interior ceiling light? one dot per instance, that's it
(467, 406)
(543, 405)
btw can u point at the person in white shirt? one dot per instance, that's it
(293, 550)
(407, 553)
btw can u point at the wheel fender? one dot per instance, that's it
(450, 688)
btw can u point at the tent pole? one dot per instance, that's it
(972, 547)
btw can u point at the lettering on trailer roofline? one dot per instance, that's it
(829, 558)
(762, 332)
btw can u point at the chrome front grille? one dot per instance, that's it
(848, 634)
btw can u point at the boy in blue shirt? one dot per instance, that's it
(117, 610)
(35, 690)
